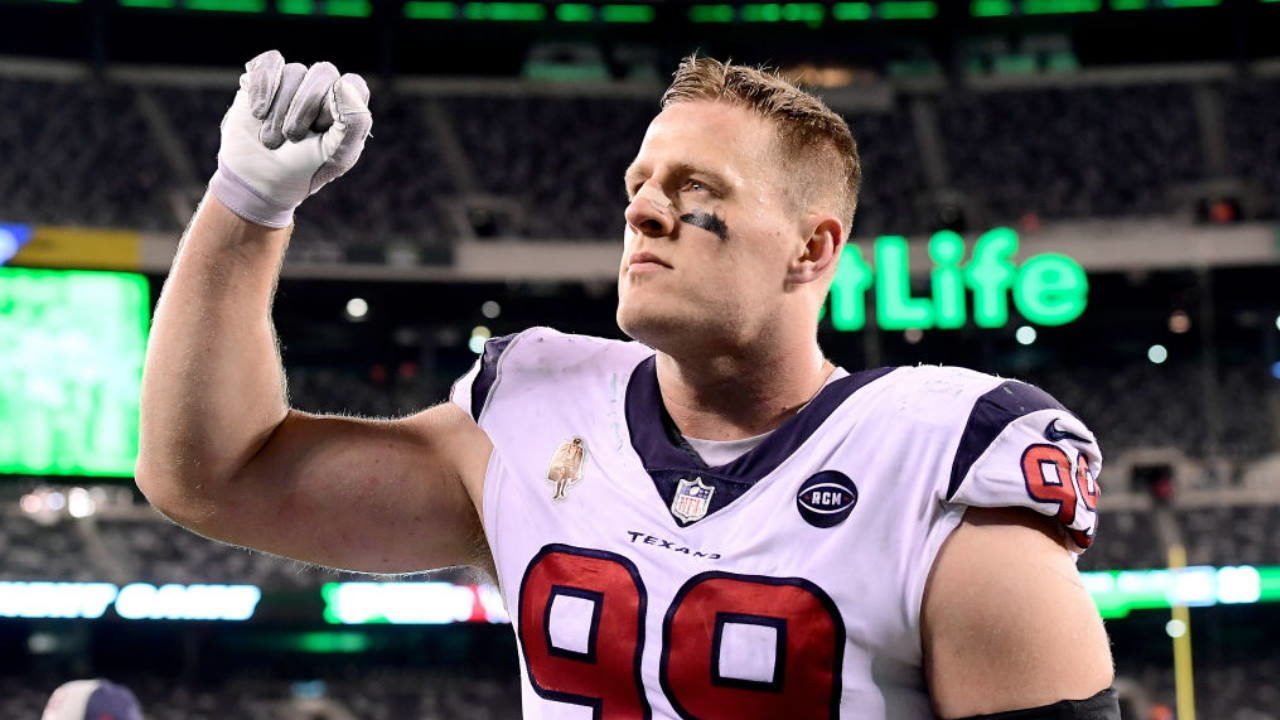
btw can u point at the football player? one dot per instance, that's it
(711, 521)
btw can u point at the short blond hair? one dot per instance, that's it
(810, 134)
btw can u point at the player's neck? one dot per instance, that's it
(735, 395)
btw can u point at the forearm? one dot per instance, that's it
(213, 385)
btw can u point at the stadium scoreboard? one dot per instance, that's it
(72, 344)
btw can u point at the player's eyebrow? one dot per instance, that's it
(635, 173)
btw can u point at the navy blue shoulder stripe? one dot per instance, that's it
(991, 414)
(488, 375)
(661, 448)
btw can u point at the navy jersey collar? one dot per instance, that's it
(662, 449)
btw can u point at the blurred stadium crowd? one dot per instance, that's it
(367, 694)
(550, 164)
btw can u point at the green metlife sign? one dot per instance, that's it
(1048, 289)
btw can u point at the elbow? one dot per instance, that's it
(180, 495)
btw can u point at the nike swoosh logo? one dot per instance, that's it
(1053, 433)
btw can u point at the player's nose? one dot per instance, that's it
(650, 215)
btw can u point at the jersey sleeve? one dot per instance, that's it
(472, 391)
(1021, 448)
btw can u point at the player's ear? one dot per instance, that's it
(820, 251)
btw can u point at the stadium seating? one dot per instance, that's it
(1225, 689)
(892, 176)
(1164, 407)
(1079, 152)
(354, 391)
(367, 693)
(389, 197)
(572, 187)
(31, 551)
(1125, 540)
(1253, 138)
(160, 552)
(153, 550)
(1232, 534)
(78, 153)
(562, 157)
(1072, 153)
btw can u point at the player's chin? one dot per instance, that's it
(650, 320)
(665, 322)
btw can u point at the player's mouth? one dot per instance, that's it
(646, 262)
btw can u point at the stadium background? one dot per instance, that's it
(1138, 139)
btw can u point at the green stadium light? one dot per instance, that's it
(575, 12)
(1048, 289)
(295, 7)
(239, 6)
(991, 8)
(411, 603)
(347, 8)
(505, 11)
(811, 13)
(946, 249)
(1168, 4)
(143, 601)
(1119, 592)
(135, 601)
(907, 10)
(760, 12)
(711, 13)
(1051, 289)
(851, 11)
(895, 308)
(627, 13)
(1060, 7)
(852, 279)
(72, 345)
(1116, 593)
(149, 3)
(331, 642)
(56, 599)
(430, 10)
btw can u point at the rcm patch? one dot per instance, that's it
(826, 499)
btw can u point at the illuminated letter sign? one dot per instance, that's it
(1049, 289)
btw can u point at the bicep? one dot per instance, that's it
(1007, 622)
(381, 496)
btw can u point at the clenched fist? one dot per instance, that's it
(290, 130)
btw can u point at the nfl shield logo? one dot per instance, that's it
(693, 499)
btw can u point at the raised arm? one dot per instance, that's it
(221, 452)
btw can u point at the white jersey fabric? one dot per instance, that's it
(785, 584)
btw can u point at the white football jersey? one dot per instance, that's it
(785, 584)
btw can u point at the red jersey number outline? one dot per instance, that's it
(605, 675)
(1069, 483)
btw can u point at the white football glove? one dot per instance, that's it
(290, 131)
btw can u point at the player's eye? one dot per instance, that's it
(696, 186)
